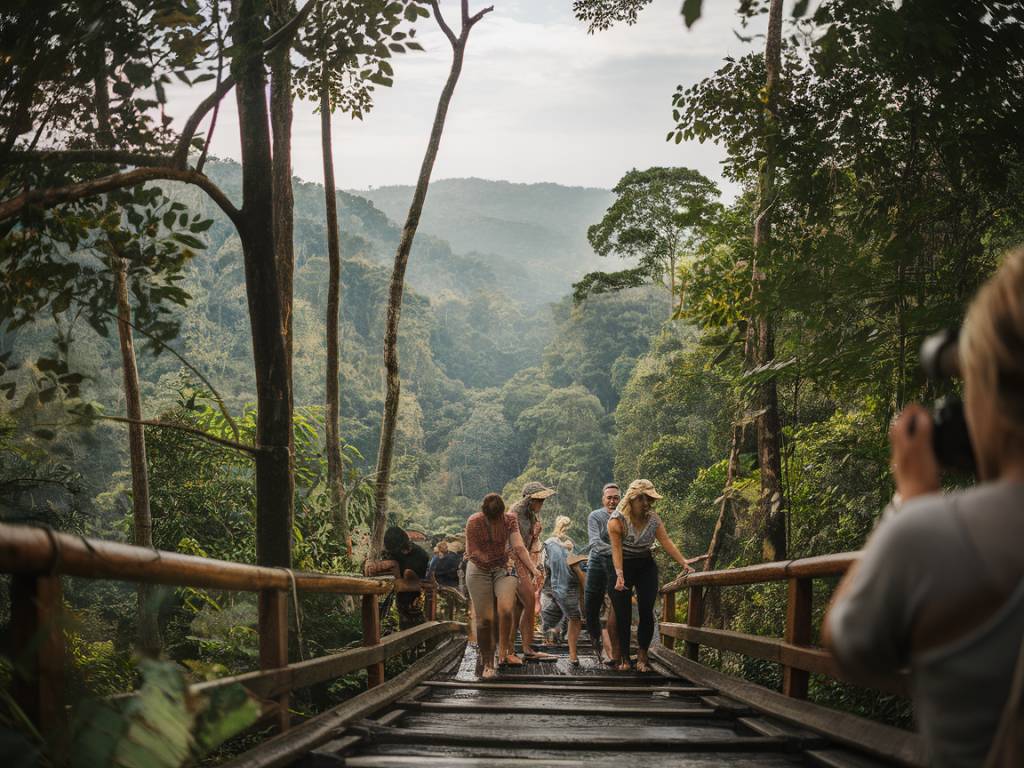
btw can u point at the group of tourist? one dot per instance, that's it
(939, 585)
(506, 572)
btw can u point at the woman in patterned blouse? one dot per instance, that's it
(490, 534)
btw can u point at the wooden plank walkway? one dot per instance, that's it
(555, 714)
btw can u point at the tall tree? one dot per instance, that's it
(397, 287)
(142, 518)
(770, 516)
(656, 218)
(348, 47)
(148, 154)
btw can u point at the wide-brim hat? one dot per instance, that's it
(639, 487)
(575, 559)
(535, 490)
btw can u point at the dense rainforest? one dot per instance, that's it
(748, 358)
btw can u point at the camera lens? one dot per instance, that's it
(940, 355)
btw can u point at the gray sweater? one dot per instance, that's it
(938, 561)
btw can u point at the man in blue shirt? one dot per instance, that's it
(599, 570)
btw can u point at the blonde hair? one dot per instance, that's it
(991, 349)
(562, 524)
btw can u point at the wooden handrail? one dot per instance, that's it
(808, 567)
(27, 549)
(37, 558)
(795, 651)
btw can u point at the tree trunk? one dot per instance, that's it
(275, 483)
(149, 642)
(332, 428)
(412, 220)
(281, 114)
(142, 521)
(770, 518)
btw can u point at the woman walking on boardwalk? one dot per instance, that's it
(527, 512)
(633, 528)
(490, 534)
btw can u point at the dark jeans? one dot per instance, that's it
(599, 581)
(641, 574)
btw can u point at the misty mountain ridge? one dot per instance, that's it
(540, 228)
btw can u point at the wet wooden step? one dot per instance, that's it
(636, 739)
(591, 760)
(546, 709)
(681, 690)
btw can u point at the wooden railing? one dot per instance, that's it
(795, 651)
(37, 558)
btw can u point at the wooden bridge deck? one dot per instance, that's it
(554, 714)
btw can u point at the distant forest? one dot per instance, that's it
(490, 398)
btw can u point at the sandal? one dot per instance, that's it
(512, 661)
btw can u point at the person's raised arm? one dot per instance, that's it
(615, 537)
(670, 546)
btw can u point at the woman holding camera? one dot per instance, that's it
(940, 584)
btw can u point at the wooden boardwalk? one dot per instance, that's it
(554, 714)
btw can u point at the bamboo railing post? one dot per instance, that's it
(668, 615)
(371, 636)
(694, 618)
(273, 630)
(798, 632)
(38, 651)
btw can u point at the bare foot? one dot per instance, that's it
(489, 673)
(623, 666)
(642, 666)
(512, 660)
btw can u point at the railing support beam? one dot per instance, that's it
(694, 618)
(38, 651)
(273, 627)
(799, 599)
(371, 636)
(668, 614)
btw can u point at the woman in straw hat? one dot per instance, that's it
(527, 512)
(632, 529)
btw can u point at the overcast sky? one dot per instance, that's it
(539, 100)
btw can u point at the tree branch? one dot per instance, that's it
(192, 124)
(186, 363)
(477, 16)
(251, 450)
(225, 86)
(48, 198)
(117, 156)
(443, 24)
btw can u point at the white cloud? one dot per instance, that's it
(539, 100)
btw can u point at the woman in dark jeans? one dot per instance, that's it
(632, 529)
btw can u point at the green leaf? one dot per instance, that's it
(188, 240)
(691, 11)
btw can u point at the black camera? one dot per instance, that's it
(940, 359)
